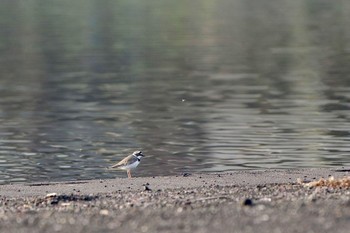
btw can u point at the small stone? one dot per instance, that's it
(51, 195)
(247, 202)
(54, 202)
(66, 204)
(104, 212)
(188, 202)
(179, 210)
(146, 187)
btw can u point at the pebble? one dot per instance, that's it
(247, 202)
(104, 212)
(51, 195)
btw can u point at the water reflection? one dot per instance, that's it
(199, 86)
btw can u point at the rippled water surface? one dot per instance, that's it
(197, 85)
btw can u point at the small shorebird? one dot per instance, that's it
(129, 162)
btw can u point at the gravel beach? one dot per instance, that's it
(244, 201)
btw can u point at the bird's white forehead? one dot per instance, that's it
(137, 152)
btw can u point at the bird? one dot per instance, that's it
(129, 162)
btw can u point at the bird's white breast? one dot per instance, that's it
(130, 166)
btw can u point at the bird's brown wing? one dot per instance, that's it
(122, 162)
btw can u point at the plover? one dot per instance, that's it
(129, 162)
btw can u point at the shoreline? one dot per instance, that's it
(246, 201)
(188, 180)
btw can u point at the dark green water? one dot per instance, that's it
(197, 85)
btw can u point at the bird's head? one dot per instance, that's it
(138, 154)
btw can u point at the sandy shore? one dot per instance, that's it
(246, 201)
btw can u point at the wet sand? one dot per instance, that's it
(245, 201)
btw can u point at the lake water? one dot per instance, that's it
(198, 86)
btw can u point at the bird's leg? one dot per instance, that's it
(129, 173)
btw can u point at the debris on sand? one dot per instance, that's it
(330, 182)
